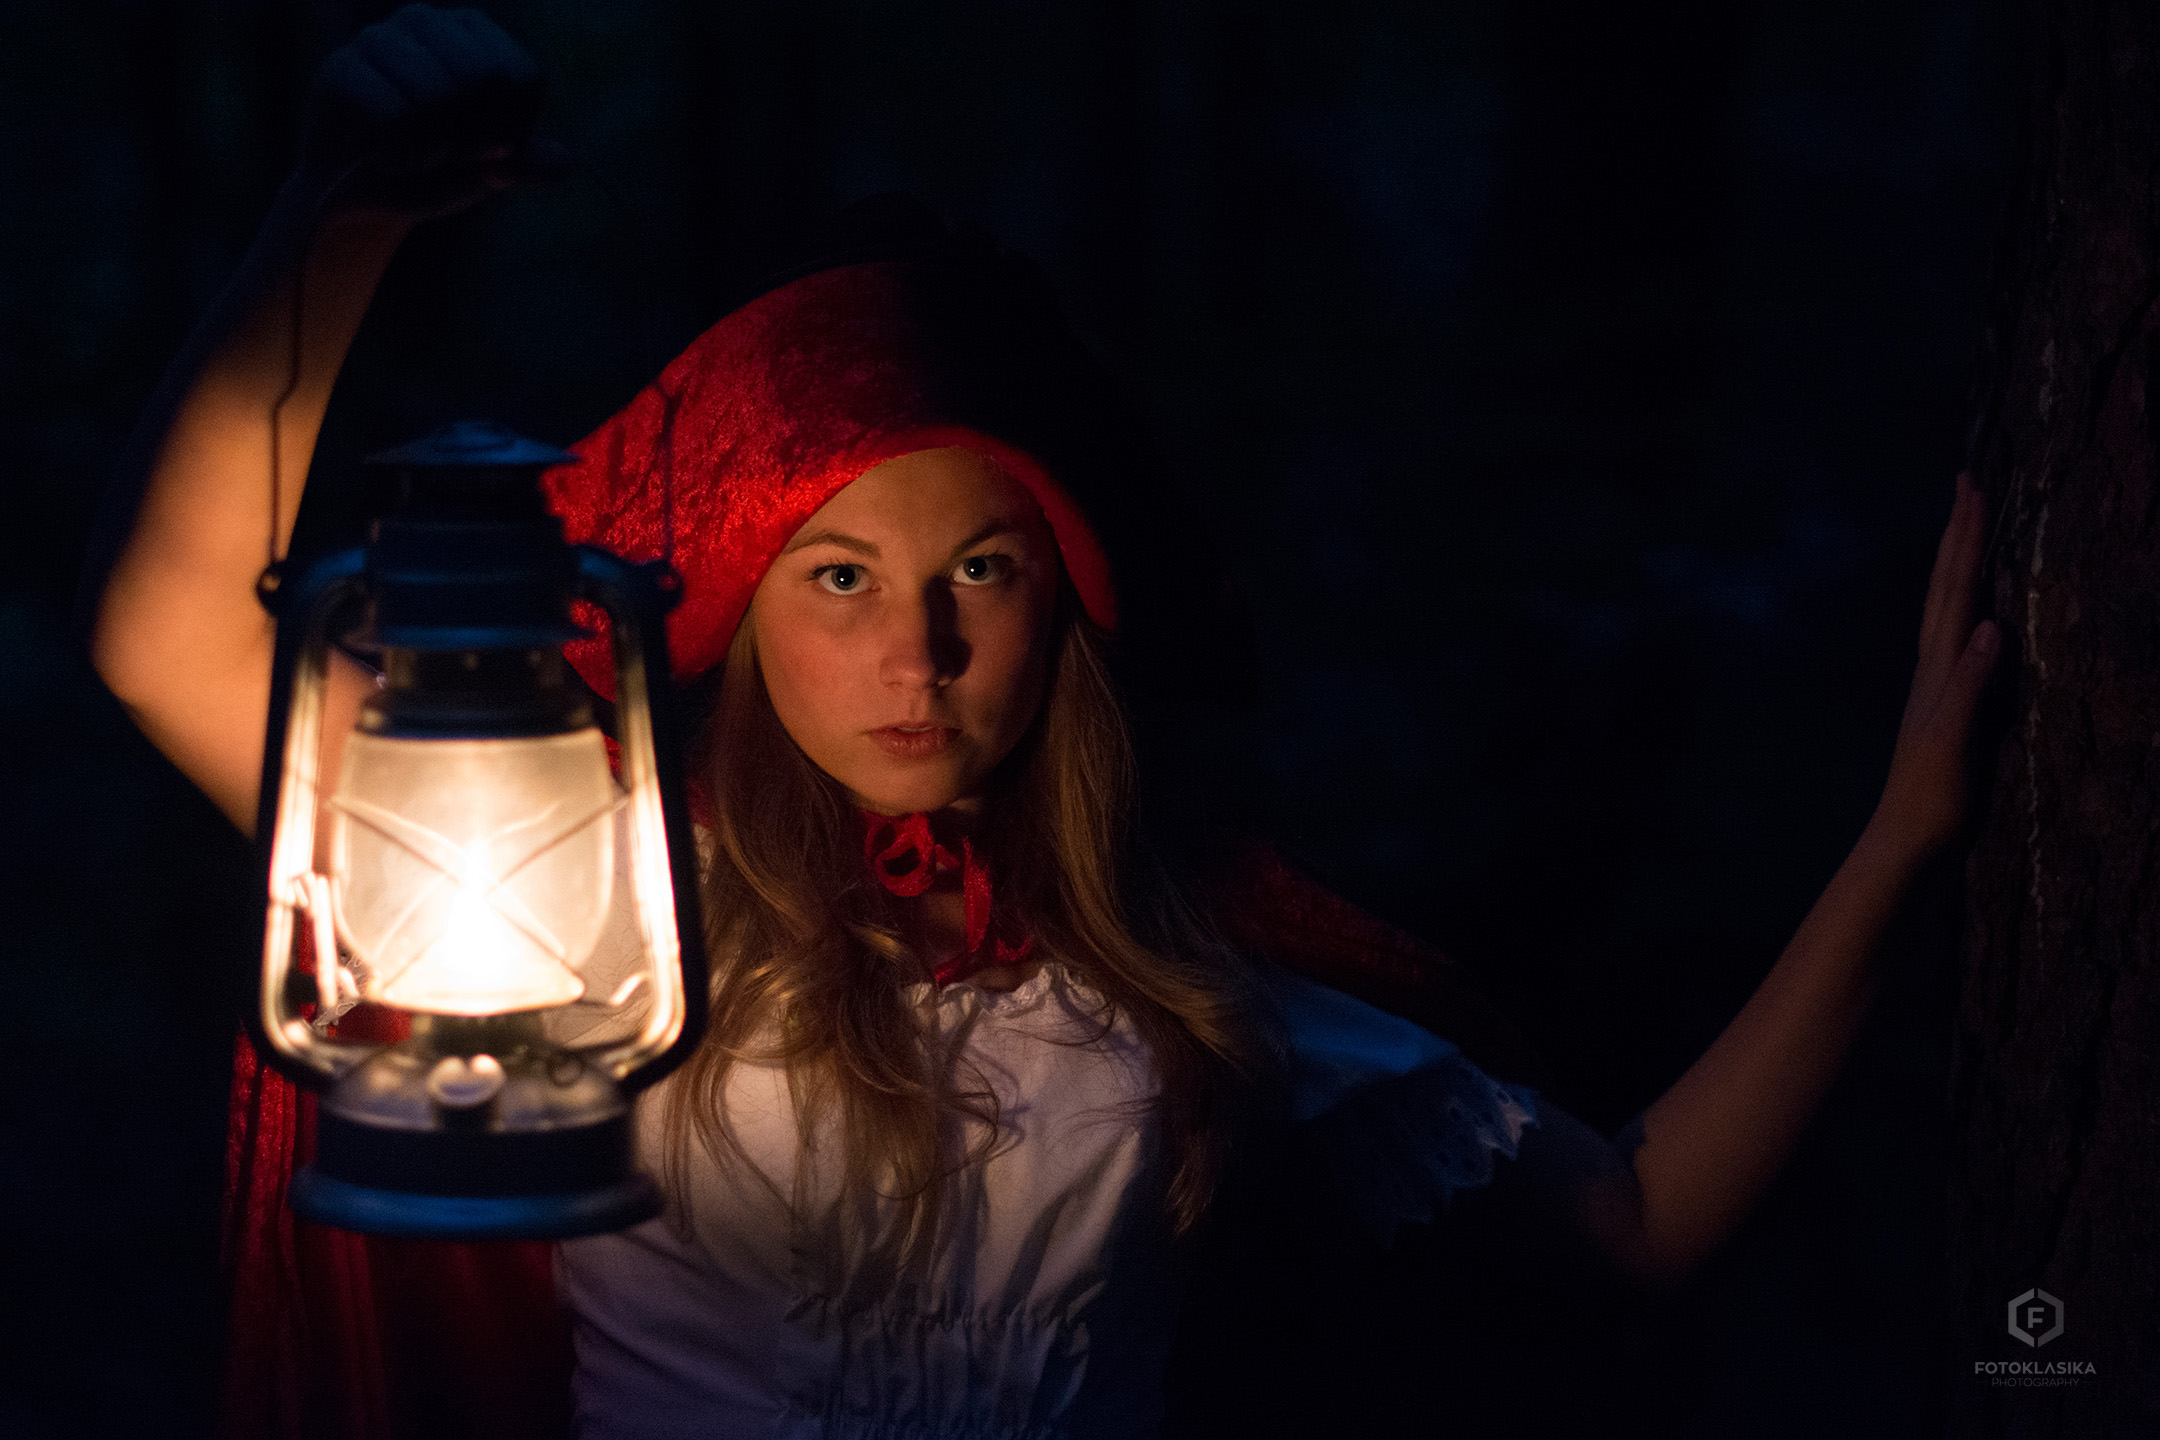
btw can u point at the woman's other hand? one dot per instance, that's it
(1923, 803)
(1711, 1144)
(423, 114)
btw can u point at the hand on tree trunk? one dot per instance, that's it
(1923, 802)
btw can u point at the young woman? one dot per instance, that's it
(979, 1047)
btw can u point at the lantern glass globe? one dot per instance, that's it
(472, 877)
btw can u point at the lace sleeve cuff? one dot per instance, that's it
(1403, 1117)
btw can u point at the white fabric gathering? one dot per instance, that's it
(1049, 1301)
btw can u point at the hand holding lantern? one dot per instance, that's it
(424, 113)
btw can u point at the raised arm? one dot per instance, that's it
(420, 115)
(1710, 1145)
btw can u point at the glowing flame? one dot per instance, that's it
(474, 876)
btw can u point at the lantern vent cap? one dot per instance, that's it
(471, 444)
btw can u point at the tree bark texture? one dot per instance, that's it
(2055, 1073)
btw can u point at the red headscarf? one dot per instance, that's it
(774, 410)
(768, 415)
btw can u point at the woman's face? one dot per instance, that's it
(902, 632)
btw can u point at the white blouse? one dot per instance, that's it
(1051, 1297)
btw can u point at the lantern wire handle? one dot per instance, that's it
(296, 347)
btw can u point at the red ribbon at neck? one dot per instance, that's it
(907, 857)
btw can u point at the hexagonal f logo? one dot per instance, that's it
(2036, 1317)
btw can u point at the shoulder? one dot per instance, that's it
(1276, 912)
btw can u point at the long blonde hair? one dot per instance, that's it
(801, 937)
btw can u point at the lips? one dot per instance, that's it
(914, 742)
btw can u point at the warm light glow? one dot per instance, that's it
(473, 877)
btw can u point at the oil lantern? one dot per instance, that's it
(482, 936)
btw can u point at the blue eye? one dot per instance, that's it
(981, 569)
(839, 579)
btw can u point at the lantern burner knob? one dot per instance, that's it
(457, 1083)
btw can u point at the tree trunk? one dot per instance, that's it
(2055, 1074)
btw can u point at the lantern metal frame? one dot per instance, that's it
(467, 1177)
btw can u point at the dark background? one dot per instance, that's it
(1574, 389)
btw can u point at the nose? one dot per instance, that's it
(924, 649)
